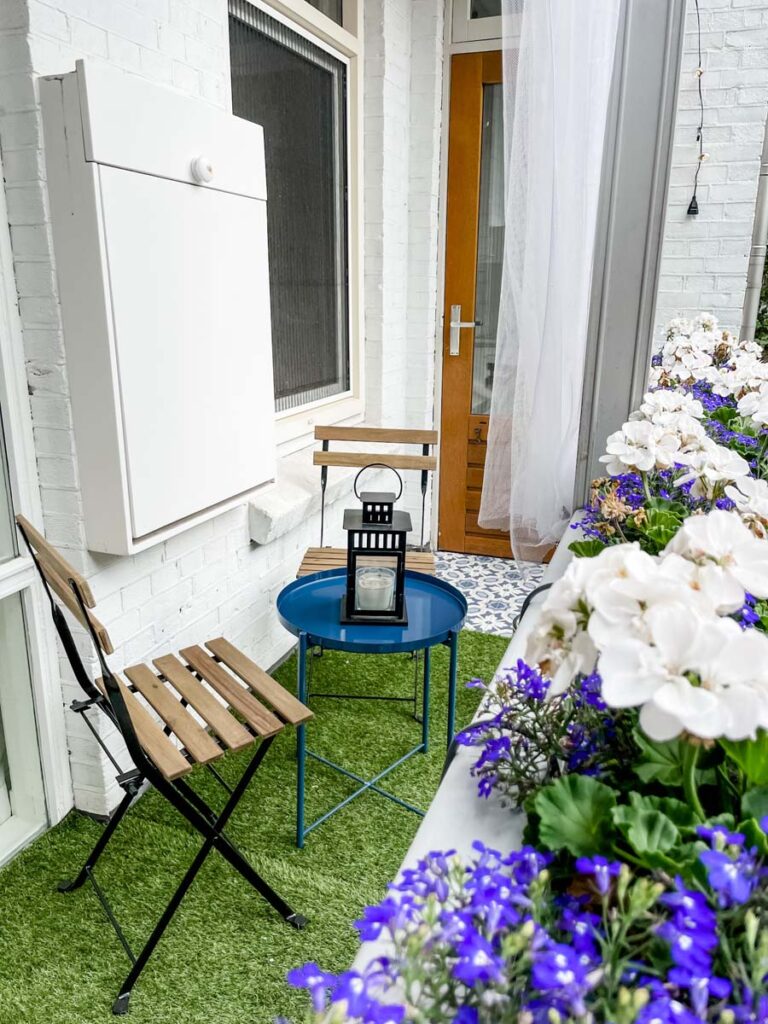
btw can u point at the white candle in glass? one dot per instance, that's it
(375, 589)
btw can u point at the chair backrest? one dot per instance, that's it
(425, 462)
(61, 578)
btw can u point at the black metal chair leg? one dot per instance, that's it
(231, 854)
(120, 1005)
(100, 846)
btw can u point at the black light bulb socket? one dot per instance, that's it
(693, 206)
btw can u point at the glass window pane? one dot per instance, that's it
(15, 711)
(490, 248)
(298, 93)
(485, 9)
(333, 8)
(7, 532)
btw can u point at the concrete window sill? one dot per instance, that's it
(285, 504)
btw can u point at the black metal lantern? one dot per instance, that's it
(376, 534)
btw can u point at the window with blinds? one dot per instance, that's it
(297, 92)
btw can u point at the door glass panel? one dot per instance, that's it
(490, 248)
(7, 536)
(15, 708)
(485, 9)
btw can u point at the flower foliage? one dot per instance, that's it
(497, 941)
(634, 734)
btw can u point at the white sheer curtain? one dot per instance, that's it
(557, 77)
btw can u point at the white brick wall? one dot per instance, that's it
(212, 579)
(704, 258)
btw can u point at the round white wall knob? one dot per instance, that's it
(202, 169)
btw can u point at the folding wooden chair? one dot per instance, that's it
(320, 558)
(198, 682)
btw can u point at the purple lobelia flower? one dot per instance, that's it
(602, 871)
(478, 962)
(559, 972)
(733, 880)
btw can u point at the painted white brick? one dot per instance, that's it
(735, 86)
(212, 579)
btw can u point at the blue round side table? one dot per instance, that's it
(309, 608)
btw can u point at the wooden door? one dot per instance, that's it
(474, 247)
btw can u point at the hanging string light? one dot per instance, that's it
(693, 206)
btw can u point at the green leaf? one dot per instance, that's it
(724, 414)
(753, 835)
(661, 526)
(575, 813)
(646, 831)
(659, 762)
(754, 803)
(680, 860)
(751, 756)
(679, 813)
(587, 548)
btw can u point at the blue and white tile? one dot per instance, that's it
(495, 588)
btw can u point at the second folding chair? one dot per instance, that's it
(227, 693)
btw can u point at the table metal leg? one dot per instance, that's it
(301, 742)
(425, 700)
(453, 642)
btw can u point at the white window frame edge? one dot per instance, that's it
(19, 575)
(294, 427)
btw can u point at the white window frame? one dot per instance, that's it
(472, 30)
(42, 781)
(294, 428)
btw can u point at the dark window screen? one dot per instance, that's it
(297, 92)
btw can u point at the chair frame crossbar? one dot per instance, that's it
(203, 818)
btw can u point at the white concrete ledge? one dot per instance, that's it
(285, 504)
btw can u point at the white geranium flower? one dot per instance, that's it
(750, 496)
(704, 322)
(642, 446)
(678, 326)
(700, 675)
(720, 540)
(710, 464)
(657, 403)
(755, 405)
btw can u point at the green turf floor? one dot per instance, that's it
(224, 958)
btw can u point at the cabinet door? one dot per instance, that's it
(190, 296)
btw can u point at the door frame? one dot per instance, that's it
(451, 46)
(19, 576)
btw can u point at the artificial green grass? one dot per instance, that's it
(224, 958)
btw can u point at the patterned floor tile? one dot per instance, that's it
(494, 588)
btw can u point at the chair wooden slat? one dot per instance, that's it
(382, 435)
(200, 745)
(260, 719)
(285, 704)
(63, 590)
(166, 757)
(362, 459)
(50, 558)
(212, 711)
(319, 559)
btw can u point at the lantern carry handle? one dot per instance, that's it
(378, 465)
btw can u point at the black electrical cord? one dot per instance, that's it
(693, 206)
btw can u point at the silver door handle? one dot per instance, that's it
(456, 324)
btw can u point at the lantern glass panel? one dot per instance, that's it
(375, 583)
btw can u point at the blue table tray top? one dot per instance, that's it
(309, 608)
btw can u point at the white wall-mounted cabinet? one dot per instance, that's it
(158, 205)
